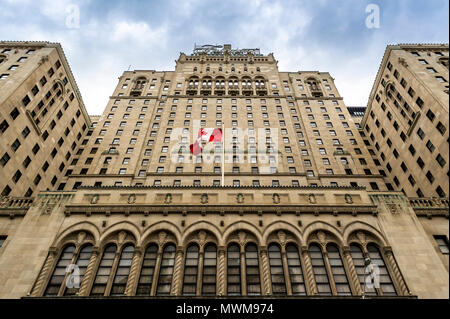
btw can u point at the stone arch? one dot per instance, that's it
(88, 227)
(241, 225)
(122, 226)
(281, 225)
(165, 226)
(201, 225)
(324, 226)
(356, 226)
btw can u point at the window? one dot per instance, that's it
(441, 241)
(59, 272)
(209, 270)
(190, 270)
(252, 270)
(338, 271)
(148, 268)
(440, 160)
(276, 270)
(14, 113)
(2, 240)
(104, 271)
(360, 267)
(430, 115)
(319, 269)
(166, 271)
(386, 286)
(430, 146)
(430, 177)
(15, 145)
(441, 128)
(233, 270)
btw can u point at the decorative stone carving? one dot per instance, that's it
(204, 199)
(168, 198)
(322, 237)
(201, 238)
(131, 199)
(361, 237)
(94, 199)
(121, 237)
(80, 237)
(162, 236)
(276, 198)
(240, 198)
(281, 237)
(348, 199)
(242, 238)
(312, 198)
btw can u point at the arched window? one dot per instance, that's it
(338, 271)
(234, 270)
(252, 270)
(148, 269)
(166, 271)
(386, 285)
(209, 270)
(320, 270)
(82, 263)
(190, 271)
(60, 271)
(104, 270)
(358, 261)
(295, 270)
(123, 270)
(276, 270)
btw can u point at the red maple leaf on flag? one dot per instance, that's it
(205, 136)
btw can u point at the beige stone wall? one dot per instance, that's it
(383, 218)
(405, 81)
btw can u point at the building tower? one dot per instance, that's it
(224, 177)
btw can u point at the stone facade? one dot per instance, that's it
(141, 216)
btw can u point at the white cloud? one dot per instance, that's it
(108, 41)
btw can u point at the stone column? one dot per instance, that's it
(266, 271)
(221, 272)
(130, 289)
(177, 272)
(38, 289)
(352, 271)
(330, 272)
(156, 274)
(200, 272)
(404, 291)
(89, 274)
(310, 281)
(243, 273)
(286, 271)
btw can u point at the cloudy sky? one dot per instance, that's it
(322, 35)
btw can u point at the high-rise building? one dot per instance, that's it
(42, 117)
(406, 123)
(224, 177)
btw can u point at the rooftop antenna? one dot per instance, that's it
(129, 67)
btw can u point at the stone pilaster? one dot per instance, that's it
(38, 289)
(130, 289)
(177, 272)
(310, 281)
(89, 274)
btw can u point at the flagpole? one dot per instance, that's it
(223, 154)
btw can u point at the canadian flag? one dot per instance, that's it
(205, 136)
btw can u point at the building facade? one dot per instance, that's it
(286, 199)
(406, 123)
